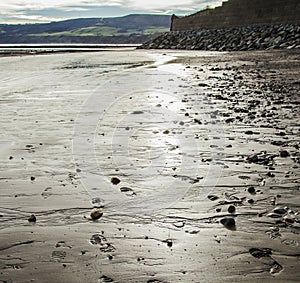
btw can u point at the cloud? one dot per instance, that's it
(46, 10)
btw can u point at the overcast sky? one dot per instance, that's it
(28, 11)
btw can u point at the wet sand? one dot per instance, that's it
(193, 158)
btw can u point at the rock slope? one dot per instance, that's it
(230, 39)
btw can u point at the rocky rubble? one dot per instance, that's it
(230, 39)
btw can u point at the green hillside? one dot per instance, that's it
(127, 29)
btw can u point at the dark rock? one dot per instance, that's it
(32, 218)
(231, 209)
(212, 197)
(228, 223)
(284, 153)
(96, 214)
(251, 190)
(32, 178)
(115, 180)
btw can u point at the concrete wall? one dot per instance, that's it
(236, 13)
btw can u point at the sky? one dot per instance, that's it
(37, 11)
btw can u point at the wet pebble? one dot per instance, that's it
(228, 222)
(115, 180)
(284, 153)
(212, 197)
(251, 190)
(96, 214)
(32, 218)
(231, 209)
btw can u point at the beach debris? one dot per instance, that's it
(32, 218)
(115, 180)
(259, 253)
(231, 209)
(96, 214)
(228, 223)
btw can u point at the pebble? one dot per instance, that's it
(115, 180)
(96, 214)
(231, 209)
(284, 153)
(251, 190)
(228, 222)
(32, 218)
(212, 197)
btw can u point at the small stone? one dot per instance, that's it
(231, 209)
(250, 201)
(279, 210)
(251, 190)
(96, 214)
(284, 153)
(288, 219)
(11, 157)
(32, 178)
(32, 218)
(249, 132)
(228, 222)
(212, 197)
(115, 180)
(169, 243)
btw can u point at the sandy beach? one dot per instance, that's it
(191, 156)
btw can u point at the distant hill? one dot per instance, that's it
(128, 29)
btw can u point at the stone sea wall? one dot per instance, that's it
(237, 13)
(280, 36)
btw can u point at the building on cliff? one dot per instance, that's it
(237, 13)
